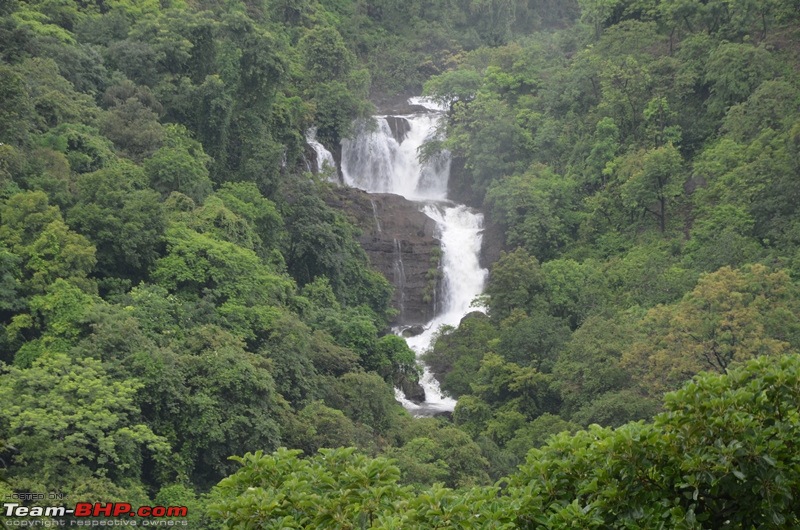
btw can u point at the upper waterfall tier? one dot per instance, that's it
(383, 157)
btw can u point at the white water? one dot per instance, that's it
(460, 232)
(325, 161)
(376, 162)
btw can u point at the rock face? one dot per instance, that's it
(399, 127)
(412, 390)
(398, 105)
(400, 243)
(493, 241)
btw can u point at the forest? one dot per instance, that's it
(187, 319)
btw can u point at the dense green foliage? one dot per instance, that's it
(722, 455)
(175, 288)
(637, 165)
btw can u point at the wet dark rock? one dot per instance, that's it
(479, 315)
(493, 242)
(413, 391)
(413, 331)
(399, 240)
(399, 127)
(444, 414)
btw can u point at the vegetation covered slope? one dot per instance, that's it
(641, 165)
(174, 288)
(722, 455)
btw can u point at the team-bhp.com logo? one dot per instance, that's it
(92, 510)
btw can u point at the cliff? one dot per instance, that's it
(400, 243)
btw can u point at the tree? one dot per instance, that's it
(35, 232)
(730, 316)
(336, 106)
(394, 360)
(617, 408)
(722, 455)
(335, 488)
(492, 20)
(15, 119)
(10, 300)
(123, 218)
(55, 322)
(775, 104)
(489, 136)
(53, 99)
(537, 433)
(287, 346)
(245, 199)
(233, 279)
(459, 85)
(134, 129)
(626, 85)
(85, 148)
(229, 403)
(575, 290)
(207, 394)
(722, 236)
(652, 180)
(180, 165)
(364, 398)
(590, 364)
(74, 428)
(648, 274)
(515, 282)
(442, 454)
(321, 241)
(457, 352)
(509, 386)
(601, 13)
(734, 71)
(262, 68)
(325, 55)
(211, 122)
(604, 149)
(538, 209)
(322, 427)
(534, 340)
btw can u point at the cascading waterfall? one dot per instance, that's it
(381, 160)
(375, 216)
(376, 162)
(325, 161)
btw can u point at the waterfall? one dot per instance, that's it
(383, 158)
(325, 161)
(375, 216)
(376, 161)
(400, 273)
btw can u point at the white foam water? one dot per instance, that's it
(325, 161)
(376, 161)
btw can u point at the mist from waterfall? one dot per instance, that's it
(384, 159)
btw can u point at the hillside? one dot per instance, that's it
(177, 288)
